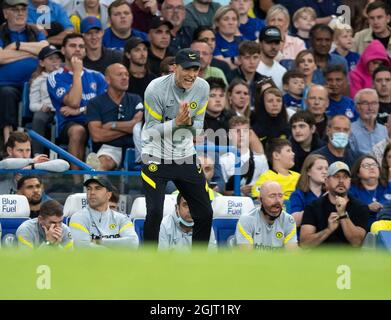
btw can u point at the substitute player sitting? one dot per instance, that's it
(97, 224)
(47, 230)
(176, 229)
(268, 226)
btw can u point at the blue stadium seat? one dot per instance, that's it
(139, 212)
(226, 213)
(224, 228)
(14, 210)
(384, 240)
(10, 225)
(130, 160)
(74, 203)
(26, 112)
(139, 228)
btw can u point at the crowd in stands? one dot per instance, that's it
(302, 93)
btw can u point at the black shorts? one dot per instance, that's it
(63, 137)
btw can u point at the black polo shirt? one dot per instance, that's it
(317, 212)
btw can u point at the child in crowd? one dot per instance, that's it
(40, 103)
(294, 84)
(249, 27)
(281, 159)
(343, 39)
(303, 20)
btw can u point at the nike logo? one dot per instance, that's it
(224, 50)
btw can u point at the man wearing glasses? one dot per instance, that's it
(112, 117)
(174, 12)
(19, 48)
(366, 132)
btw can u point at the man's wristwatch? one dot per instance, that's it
(82, 109)
(344, 216)
(17, 45)
(114, 125)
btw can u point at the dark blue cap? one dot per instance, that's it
(48, 51)
(188, 58)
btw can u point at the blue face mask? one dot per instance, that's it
(340, 140)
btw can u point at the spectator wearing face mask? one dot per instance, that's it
(338, 148)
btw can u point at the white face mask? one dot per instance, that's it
(340, 140)
(179, 219)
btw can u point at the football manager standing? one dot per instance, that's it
(174, 110)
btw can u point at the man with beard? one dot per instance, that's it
(268, 226)
(70, 88)
(335, 218)
(174, 12)
(32, 188)
(176, 229)
(97, 224)
(159, 35)
(135, 60)
(270, 41)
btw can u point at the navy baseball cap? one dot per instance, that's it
(270, 34)
(104, 182)
(89, 23)
(188, 58)
(48, 51)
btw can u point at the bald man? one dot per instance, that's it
(268, 226)
(317, 102)
(112, 118)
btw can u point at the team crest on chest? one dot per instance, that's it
(279, 235)
(193, 105)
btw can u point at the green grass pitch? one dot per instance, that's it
(146, 274)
